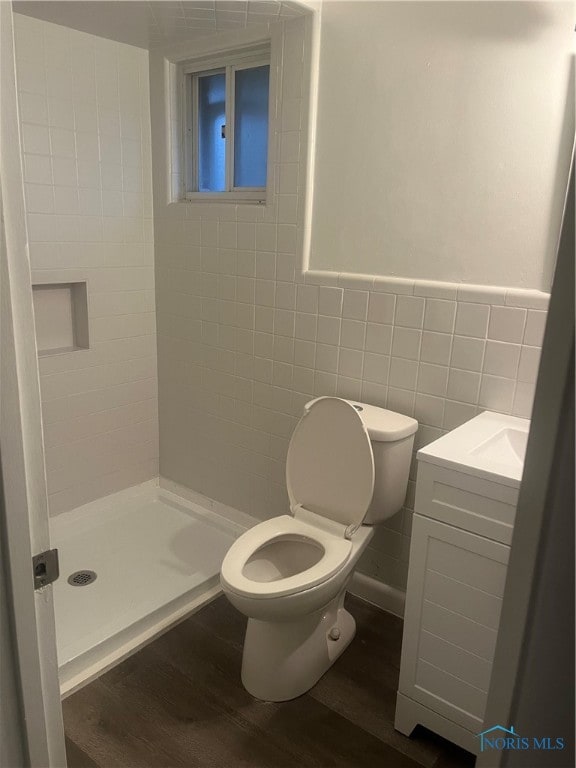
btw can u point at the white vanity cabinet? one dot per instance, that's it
(461, 534)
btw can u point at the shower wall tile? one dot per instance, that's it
(85, 119)
(238, 358)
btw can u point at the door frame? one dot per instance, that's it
(531, 680)
(25, 502)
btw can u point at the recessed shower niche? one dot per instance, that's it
(61, 317)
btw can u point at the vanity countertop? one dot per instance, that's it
(491, 446)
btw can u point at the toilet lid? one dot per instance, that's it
(330, 464)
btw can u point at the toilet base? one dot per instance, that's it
(283, 660)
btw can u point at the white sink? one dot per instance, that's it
(507, 447)
(490, 445)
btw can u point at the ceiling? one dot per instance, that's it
(158, 23)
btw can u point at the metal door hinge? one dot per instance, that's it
(45, 567)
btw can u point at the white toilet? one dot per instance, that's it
(347, 469)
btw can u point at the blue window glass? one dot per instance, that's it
(251, 126)
(211, 144)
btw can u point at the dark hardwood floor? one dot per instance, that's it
(180, 702)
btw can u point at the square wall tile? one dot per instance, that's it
(376, 368)
(381, 308)
(440, 315)
(410, 311)
(403, 373)
(246, 263)
(290, 147)
(38, 169)
(350, 363)
(245, 289)
(326, 358)
(467, 353)
(501, 359)
(529, 364)
(324, 384)
(306, 326)
(282, 374)
(283, 350)
(266, 265)
(535, 327)
(351, 389)
(265, 290)
(264, 319)
(328, 330)
(263, 343)
(436, 347)
(432, 379)
(39, 198)
(378, 338)
(304, 353)
(62, 142)
(429, 410)
(496, 393)
(284, 322)
(330, 301)
(401, 401)
(355, 305)
(507, 324)
(303, 380)
(266, 237)
(285, 295)
(472, 320)
(35, 139)
(287, 239)
(373, 393)
(406, 343)
(463, 386)
(352, 334)
(307, 298)
(263, 370)
(33, 108)
(523, 399)
(246, 236)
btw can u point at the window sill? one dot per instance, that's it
(244, 198)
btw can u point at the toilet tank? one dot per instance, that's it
(392, 437)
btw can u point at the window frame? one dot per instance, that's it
(229, 63)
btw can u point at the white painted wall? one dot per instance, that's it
(85, 121)
(439, 138)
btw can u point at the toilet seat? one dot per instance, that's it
(330, 463)
(336, 552)
(330, 482)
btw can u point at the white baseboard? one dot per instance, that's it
(382, 595)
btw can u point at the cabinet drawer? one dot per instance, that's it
(454, 597)
(480, 506)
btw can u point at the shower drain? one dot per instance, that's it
(82, 578)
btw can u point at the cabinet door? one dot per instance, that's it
(453, 601)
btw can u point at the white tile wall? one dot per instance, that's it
(245, 339)
(85, 118)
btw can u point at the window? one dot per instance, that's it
(226, 127)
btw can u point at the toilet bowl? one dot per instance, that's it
(289, 574)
